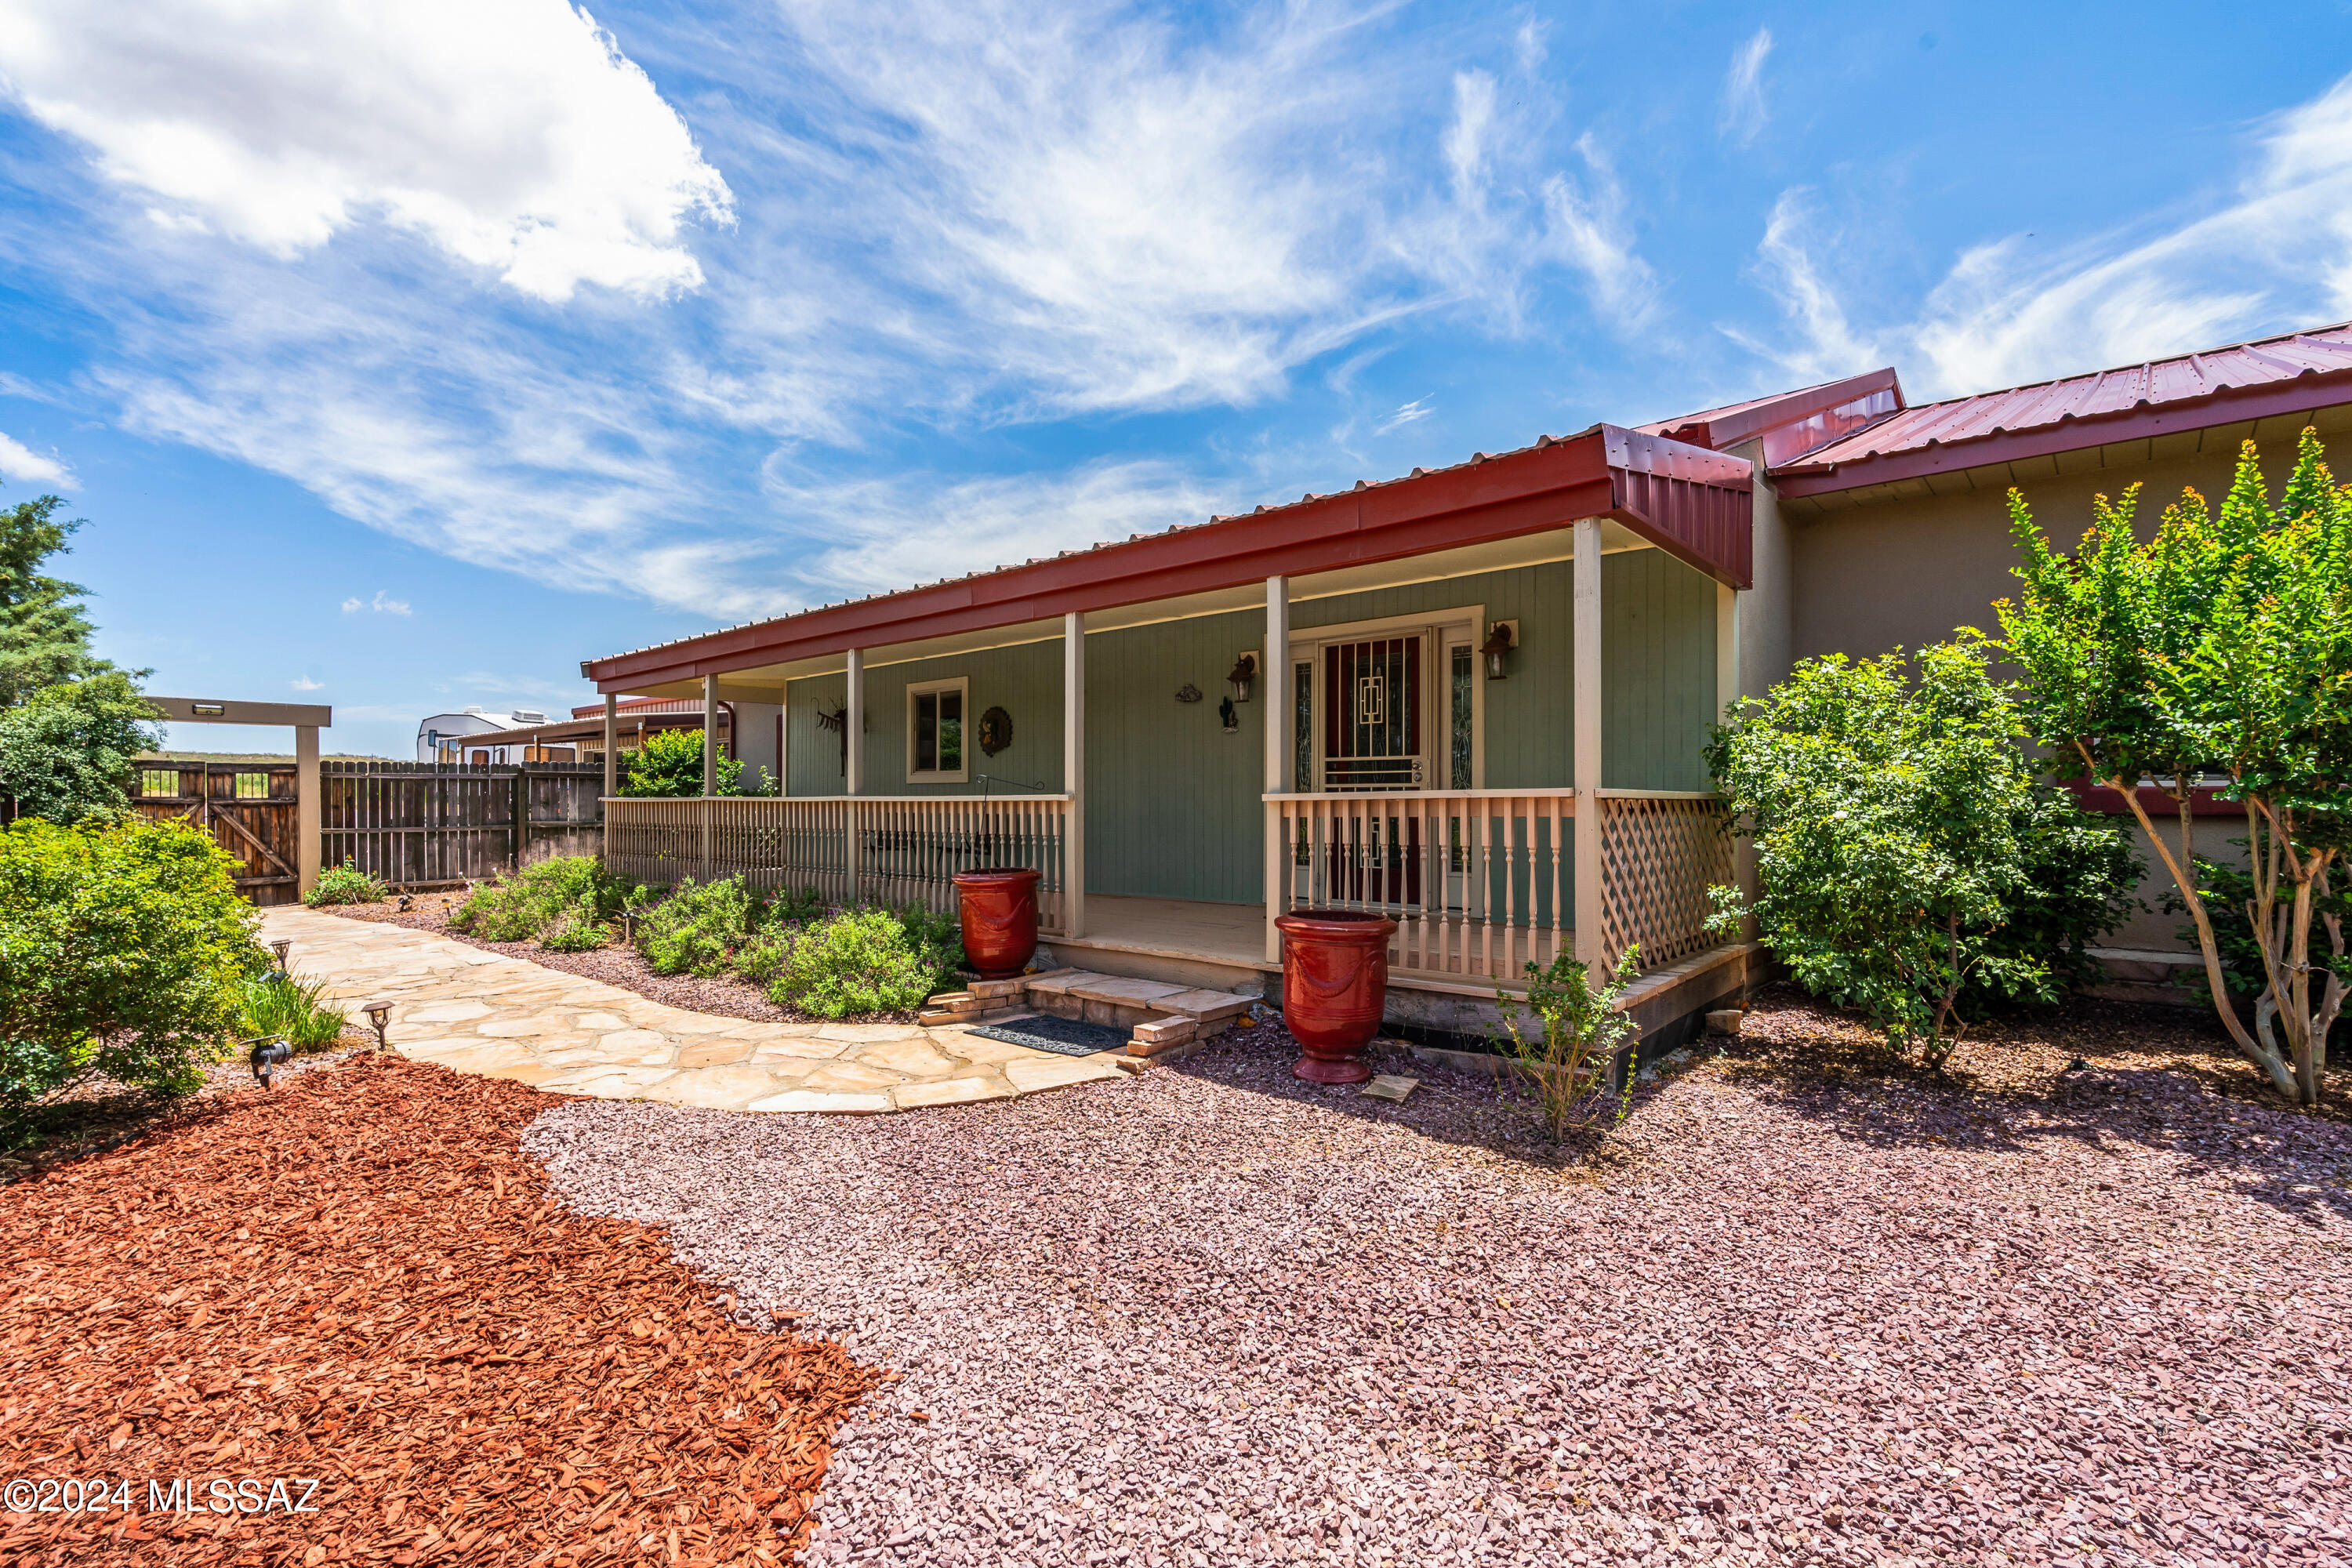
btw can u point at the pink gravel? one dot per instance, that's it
(1796, 1310)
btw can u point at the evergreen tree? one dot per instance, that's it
(43, 630)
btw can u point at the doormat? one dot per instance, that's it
(1066, 1037)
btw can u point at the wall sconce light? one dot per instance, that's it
(1501, 638)
(1244, 671)
(379, 1018)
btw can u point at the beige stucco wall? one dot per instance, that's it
(1905, 566)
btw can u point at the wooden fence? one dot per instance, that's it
(417, 823)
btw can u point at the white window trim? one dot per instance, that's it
(961, 686)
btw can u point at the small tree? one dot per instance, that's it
(67, 754)
(44, 631)
(2224, 644)
(670, 763)
(124, 951)
(1577, 1031)
(1910, 859)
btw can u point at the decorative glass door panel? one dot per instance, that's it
(1371, 714)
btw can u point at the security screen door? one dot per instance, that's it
(1371, 714)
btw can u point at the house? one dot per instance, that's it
(581, 737)
(1473, 698)
(465, 736)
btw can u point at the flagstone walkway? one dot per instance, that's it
(507, 1017)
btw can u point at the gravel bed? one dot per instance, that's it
(617, 964)
(1806, 1304)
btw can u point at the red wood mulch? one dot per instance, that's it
(357, 1278)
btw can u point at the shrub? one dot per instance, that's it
(1578, 1030)
(862, 961)
(2221, 644)
(1909, 858)
(569, 897)
(124, 951)
(66, 754)
(347, 884)
(670, 763)
(696, 928)
(280, 1007)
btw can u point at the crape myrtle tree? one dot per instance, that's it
(669, 763)
(2222, 646)
(1914, 865)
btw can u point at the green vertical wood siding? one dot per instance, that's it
(1172, 808)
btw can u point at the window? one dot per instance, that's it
(159, 781)
(253, 786)
(935, 714)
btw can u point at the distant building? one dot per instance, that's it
(465, 737)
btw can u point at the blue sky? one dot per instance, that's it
(401, 357)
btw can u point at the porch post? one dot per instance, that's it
(1074, 773)
(852, 766)
(1585, 642)
(1728, 611)
(710, 762)
(612, 744)
(1274, 691)
(306, 807)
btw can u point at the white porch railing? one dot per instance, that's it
(1475, 880)
(1481, 882)
(890, 849)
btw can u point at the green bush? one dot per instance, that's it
(670, 765)
(1910, 858)
(123, 951)
(698, 928)
(66, 754)
(569, 898)
(347, 884)
(280, 1007)
(1573, 1032)
(866, 961)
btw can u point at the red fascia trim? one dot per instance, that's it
(2159, 804)
(1519, 493)
(2072, 433)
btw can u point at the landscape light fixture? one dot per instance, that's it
(1501, 638)
(208, 710)
(379, 1018)
(285, 964)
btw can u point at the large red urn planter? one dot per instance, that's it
(998, 908)
(1334, 983)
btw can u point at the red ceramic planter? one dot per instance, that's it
(1335, 984)
(998, 908)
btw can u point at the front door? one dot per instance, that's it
(1372, 714)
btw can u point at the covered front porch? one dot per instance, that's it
(1473, 701)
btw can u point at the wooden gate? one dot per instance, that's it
(248, 807)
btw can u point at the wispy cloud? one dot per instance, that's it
(304, 683)
(25, 466)
(381, 604)
(1411, 413)
(1744, 113)
(516, 138)
(1591, 231)
(2275, 251)
(1825, 345)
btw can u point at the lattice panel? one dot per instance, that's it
(1657, 859)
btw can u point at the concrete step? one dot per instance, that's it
(1163, 1016)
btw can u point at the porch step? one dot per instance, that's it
(1161, 1016)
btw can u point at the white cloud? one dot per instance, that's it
(21, 464)
(304, 683)
(1744, 113)
(381, 604)
(1827, 346)
(512, 134)
(1591, 231)
(1411, 413)
(2276, 252)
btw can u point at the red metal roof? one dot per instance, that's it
(1792, 422)
(638, 705)
(2269, 376)
(1687, 500)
